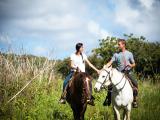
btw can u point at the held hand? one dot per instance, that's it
(101, 70)
(98, 71)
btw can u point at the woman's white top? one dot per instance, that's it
(78, 61)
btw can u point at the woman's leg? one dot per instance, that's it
(65, 84)
(67, 80)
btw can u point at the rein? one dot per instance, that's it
(102, 83)
(123, 85)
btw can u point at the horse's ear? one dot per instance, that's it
(105, 66)
(110, 66)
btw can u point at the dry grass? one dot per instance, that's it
(15, 70)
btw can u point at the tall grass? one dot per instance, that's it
(18, 71)
(39, 100)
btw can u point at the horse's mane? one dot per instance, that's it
(76, 95)
(79, 87)
(79, 81)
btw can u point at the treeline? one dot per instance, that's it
(146, 55)
(16, 71)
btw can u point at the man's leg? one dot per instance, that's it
(107, 101)
(135, 89)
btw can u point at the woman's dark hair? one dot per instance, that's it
(78, 46)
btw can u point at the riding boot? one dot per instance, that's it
(135, 97)
(107, 101)
(90, 102)
(63, 96)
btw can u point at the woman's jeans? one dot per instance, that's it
(67, 79)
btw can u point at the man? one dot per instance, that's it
(77, 62)
(125, 62)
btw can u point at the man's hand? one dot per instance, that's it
(131, 65)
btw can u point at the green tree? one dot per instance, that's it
(62, 67)
(146, 54)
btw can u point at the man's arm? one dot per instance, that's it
(132, 61)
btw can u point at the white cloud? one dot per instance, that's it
(125, 15)
(50, 23)
(4, 39)
(61, 24)
(139, 21)
(40, 51)
(96, 30)
(147, 3)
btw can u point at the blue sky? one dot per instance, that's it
(51, 28)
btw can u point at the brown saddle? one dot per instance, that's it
(130, 82)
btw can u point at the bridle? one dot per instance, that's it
(108, 73)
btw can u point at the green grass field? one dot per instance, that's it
(39, 101)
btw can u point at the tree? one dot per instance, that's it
(146, 54)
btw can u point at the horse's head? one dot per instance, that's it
(104, 78)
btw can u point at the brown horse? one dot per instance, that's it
(77, 94)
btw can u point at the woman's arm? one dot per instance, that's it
(75, 68)
(72, 65)
(92, 66)
(109, 63)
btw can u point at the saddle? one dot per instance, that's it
(135, 89)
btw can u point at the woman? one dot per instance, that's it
(77, 63)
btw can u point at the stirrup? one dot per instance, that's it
(62, 101)
(90, 102)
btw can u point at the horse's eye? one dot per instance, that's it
(103, 76)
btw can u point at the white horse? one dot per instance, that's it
(122, 93)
